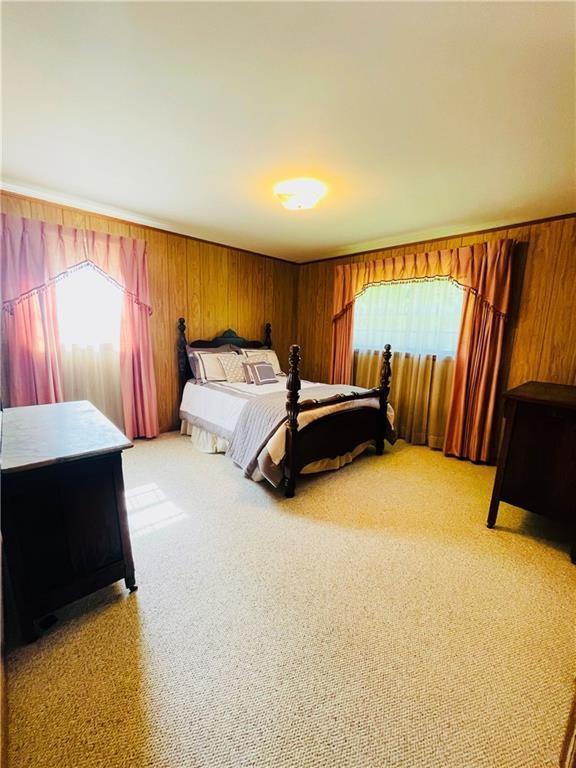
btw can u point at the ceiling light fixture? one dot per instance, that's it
(298, 194)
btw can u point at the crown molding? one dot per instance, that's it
(120, 214)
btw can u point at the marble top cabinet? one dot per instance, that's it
(64, 522)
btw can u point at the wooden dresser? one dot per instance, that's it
(537, 462)
(64, 525)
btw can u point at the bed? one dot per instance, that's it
(279, 430)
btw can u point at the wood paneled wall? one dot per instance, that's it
(541, 336)
(212, 286)
(215, 287)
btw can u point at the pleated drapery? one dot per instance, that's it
(35, 255)
(469, 429)
(484, 270)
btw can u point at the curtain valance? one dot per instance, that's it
(45, 253)
(482, 268)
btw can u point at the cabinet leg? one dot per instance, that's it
(379, 446)
(493, 513)
(573, 551)
(290, 487)
(130, 582)
(48, 621)
(28, 631)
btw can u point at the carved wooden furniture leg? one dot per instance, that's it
(182, 355)
(383, 397)
(268, 335)
(293, 389)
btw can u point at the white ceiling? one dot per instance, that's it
(424, 118)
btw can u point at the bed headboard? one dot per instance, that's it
(228, 337)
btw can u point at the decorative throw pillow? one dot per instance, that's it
(269, 355)
(208, 366)
(259, 373)
(247, 368)
(232, 365)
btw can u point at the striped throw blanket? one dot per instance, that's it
(262, 416)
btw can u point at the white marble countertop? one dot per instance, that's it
(38, 435)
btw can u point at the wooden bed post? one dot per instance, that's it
(182, 355)
(268, 335)
(383, 396)
(293, 388)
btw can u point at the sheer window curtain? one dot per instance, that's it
(89, 309)
(421, 320)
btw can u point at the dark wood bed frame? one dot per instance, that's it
(326, 438)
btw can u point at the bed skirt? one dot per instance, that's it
(208, 442)
(202, 439)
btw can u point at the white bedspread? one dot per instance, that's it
(222, 402)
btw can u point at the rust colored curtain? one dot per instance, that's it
(469, 428)
(342, 352)
(484, 270)
(35, 255)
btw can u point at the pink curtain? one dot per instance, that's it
(485, 271)
(136, 362)
(35, 255)
(31, 351)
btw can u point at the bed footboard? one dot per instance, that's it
(335, 434)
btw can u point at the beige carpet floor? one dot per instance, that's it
(371, 621)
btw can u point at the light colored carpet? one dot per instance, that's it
(371, 621)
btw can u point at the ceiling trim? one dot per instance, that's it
(117, 214)
(128, 217)
(450, 235)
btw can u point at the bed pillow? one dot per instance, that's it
(208, 367)
(190, 351)
(246, 367)
(232, 365)
(248, 377)
(268, 355)
(259, 373)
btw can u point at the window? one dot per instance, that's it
(420, 317)
(89, 309)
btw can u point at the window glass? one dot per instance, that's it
(420, 317)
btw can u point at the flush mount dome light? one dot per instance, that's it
(298, 194)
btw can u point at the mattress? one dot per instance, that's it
(216, 406)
